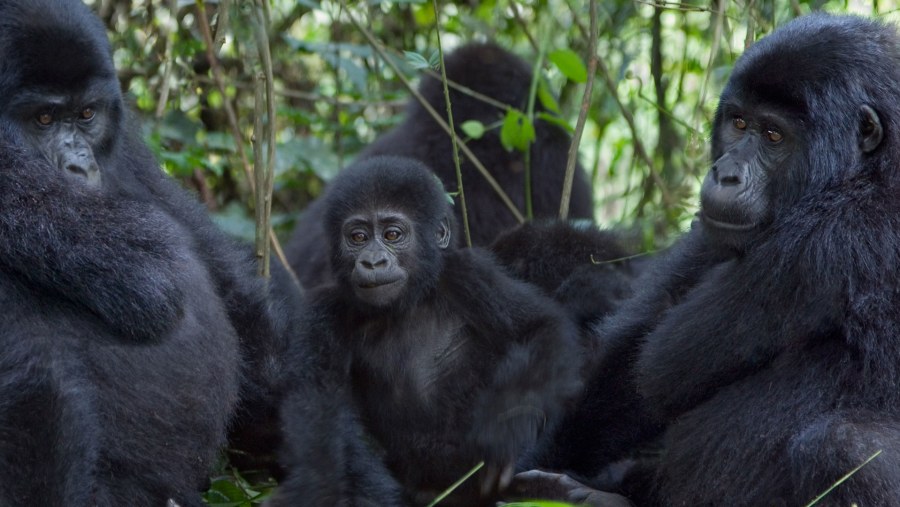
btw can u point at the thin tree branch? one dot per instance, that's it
(582, 115)
(453, 137)
(376, 45)
(216, 69)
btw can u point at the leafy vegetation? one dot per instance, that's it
(661, 66)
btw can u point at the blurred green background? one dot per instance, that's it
(662, 65)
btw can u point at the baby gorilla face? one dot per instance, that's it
(379, 243)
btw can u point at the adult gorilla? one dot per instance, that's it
(58, 86)
(768, 339)
(117, 370)
(493, 72)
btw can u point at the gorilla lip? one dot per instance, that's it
(374, 284)
(728, 226)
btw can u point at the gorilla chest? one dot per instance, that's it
(414, 363)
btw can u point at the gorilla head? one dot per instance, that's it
(387, 243)
(792, 120)
(58, 84)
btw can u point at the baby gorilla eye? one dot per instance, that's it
(87, 114)
(774, 136)
(44, 119)
(739, 123)
(358, 237)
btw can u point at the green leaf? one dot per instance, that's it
(416, 61)
(569, 63)
(556, 120)
(435, 61)
(546, 97)
(517, 131)
(473, 128)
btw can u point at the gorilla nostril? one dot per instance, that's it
(378, 263)
(730, 180)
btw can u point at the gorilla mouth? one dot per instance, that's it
(377, 284)
(379, 292)
(726, 225)
(374, 285)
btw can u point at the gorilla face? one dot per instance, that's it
(59, 88)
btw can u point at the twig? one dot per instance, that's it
(216, 69)
(169, 67)
(233, 124)
(582, 115)
(259, 175)
(470, 92)
(221, 24)
(453, 138)
(265, 180)
(639, 149)
(524, 26)
(437, 117)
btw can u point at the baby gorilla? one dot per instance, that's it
(443, 359)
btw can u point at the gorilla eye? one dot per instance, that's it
(739, 123)
(774, 136)
(44, 119)
(358, 237)
(392, 234)
(87, 114)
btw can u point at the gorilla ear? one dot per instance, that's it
(443, 236)
(870, 132)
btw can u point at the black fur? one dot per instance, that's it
(117, 374)
(590, 272)
(492, 71)
(466, 365)
(771, 354)
(72, 60)
(587, 269)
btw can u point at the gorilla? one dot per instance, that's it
(766, 341)
(430, 351)
(117, 375)
(587, 270)
(494, 72)
(58, 88)
(590, 272)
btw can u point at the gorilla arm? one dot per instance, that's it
(789, 290)
(107, 255)
(325, 452)
(538, 367)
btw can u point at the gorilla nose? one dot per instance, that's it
(728, 177)
(373, 261)
(85, 168)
